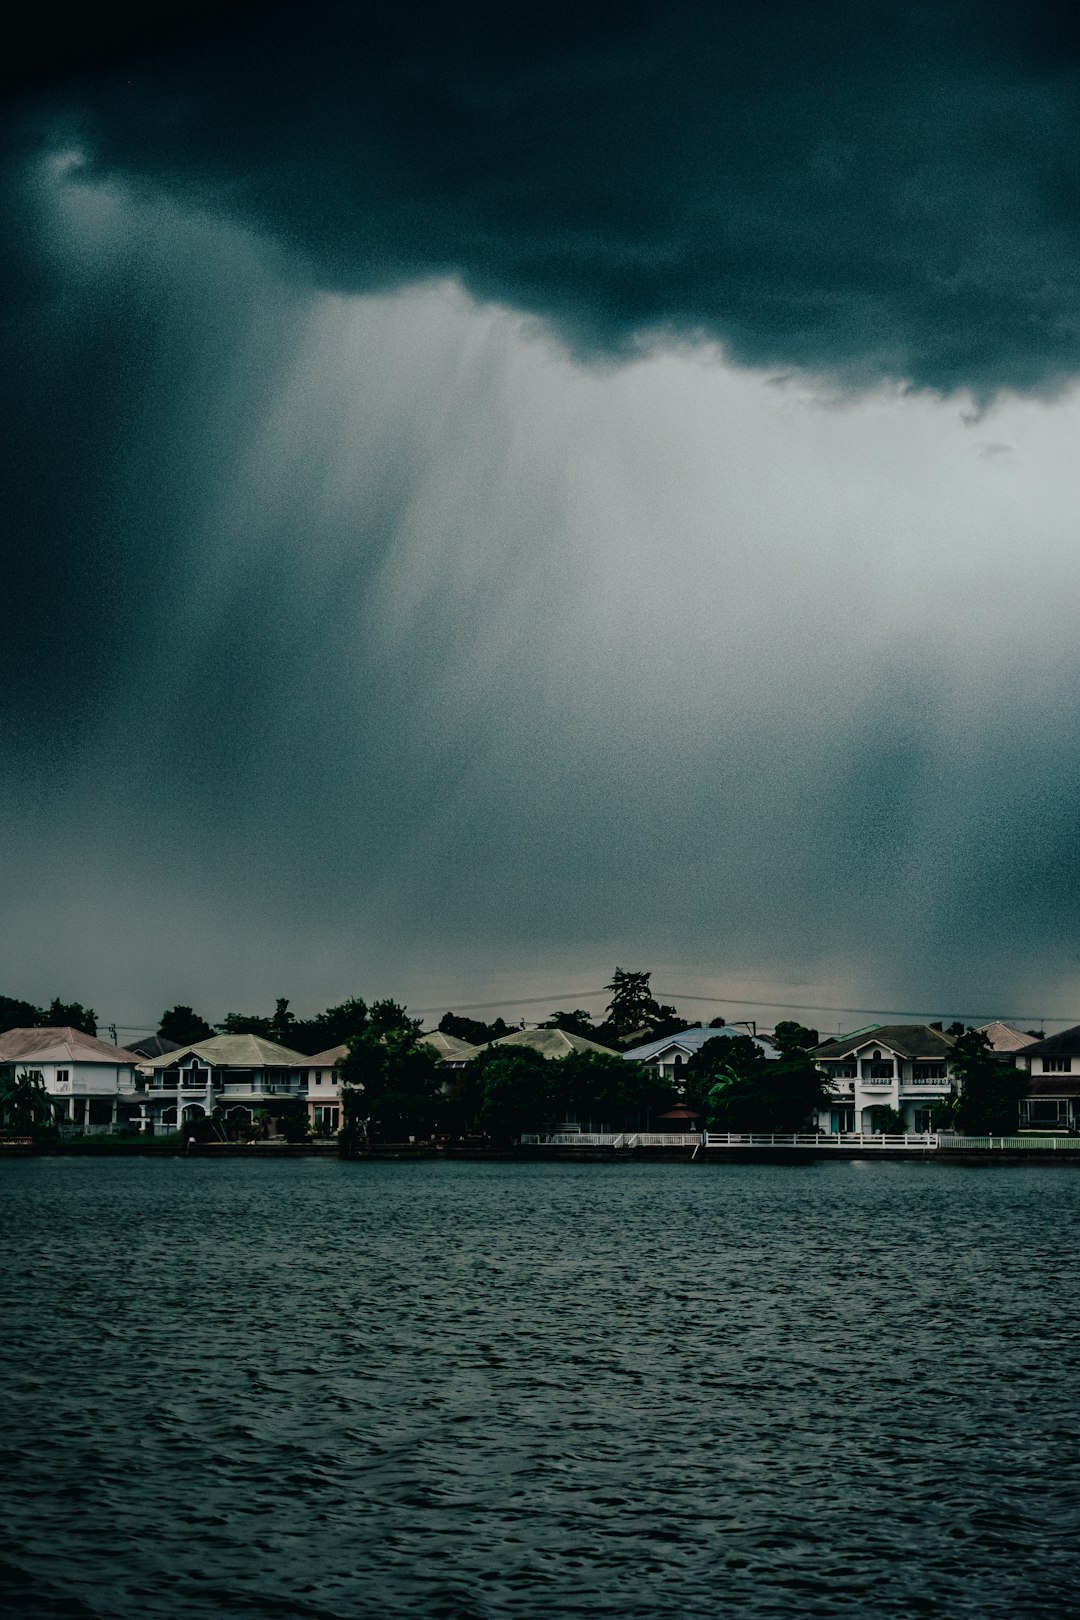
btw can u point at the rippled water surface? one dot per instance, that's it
(467, 1390)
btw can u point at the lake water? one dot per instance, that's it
(312, 1389)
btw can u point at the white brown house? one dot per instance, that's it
(89, 1083)
(1053, 1095)
(903, 1067)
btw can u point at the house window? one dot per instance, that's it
(928, 1071)
(1057, 1065)
(840, 1071)
(922, 1119)
(878, 1068)
(63, 1076)
(318, 1077)
(1046, 1111)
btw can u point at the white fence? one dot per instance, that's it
(815, 1139)
(998, 1142)
(622, 1139)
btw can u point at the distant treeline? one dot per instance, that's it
(632, 1014)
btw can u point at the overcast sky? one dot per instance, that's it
(487, 500)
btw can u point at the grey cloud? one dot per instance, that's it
(856, 193)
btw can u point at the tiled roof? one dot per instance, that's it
(1066, 1043)
(449, 1047)
(59, 1044)
(551, 1043)
(906, 1040)
(236, 1052)
(1003, 1038)
(327, 1059)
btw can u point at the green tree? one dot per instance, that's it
(473, 1030)
(16, 1014)
(71, 1015)
(24, 1102)
(578, 1022)
(745, 1091)
(793, 1040)
(610, 1090)
(517, 1090)
(245, 1024)
(989, 1087)
(185, 1027)
(633, 1010)
(390, 1081)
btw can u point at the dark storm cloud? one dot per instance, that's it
(888, 191)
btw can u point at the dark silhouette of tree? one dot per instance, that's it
(473, 1030)
(71, 1015)
(390, 1081)
(744, 1091)
(989, 1087)
(185, 1027)
(16, 1014)
(578, 1022)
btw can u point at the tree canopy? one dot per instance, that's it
(184, 1026)
(989, 1087)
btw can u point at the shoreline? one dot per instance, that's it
(416, 1153)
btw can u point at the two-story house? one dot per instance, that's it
(240, 1075)
(1053, 1097)
(903, 1067)
(88, 1082)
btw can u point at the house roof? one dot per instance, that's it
(152, 1046)
(906, 1040)
(692, 1040)
(59, 1043)
(449, 1047)
(551, 1043)
(327, 1059)
(236, 1052)
(1066, 1043)
(1003, 1038)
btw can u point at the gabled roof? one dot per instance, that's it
(906, 1040)
(59, 1044)
(1066, 1043)
(449, 1047)
(689, 1041)
(236, 1052)
(551, 1043)
(1003, 1038)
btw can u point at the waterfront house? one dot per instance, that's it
(1053, 1097)
(450, 1052)
(903, 1067)
(668, 1054)
(236, 1076)
(324, 1090)
(88, 1082)
(550, 1043)
(1004, 1038)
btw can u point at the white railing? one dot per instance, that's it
(998, 1142)
(628, 1139)
(815, 1139)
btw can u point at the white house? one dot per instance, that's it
(905, 1067)
(238, 1074)
(1053, 1095)
(324, 1091)
(89, 1083)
